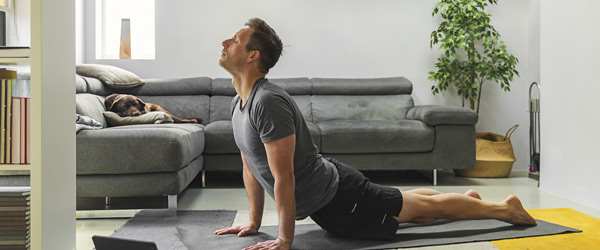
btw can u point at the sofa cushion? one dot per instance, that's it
(113, 77)
(220, 108)
(351, 136)
(293, 86)
(148, 148)
(219, 138)
(90, 105)
(183, 106)
(315, 133)
(303, 102)
(155, 117)
(172, 87)
(80, 85)
(361, 107)
(95, 86)
(361, 86)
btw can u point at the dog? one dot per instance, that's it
(130, 105)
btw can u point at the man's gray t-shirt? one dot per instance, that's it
(270, 114)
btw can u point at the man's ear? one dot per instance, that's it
(254, 56)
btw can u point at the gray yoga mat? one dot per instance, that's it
(192, 230)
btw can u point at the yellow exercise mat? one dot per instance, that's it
(589, 238)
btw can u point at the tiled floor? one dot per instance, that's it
(235, 198)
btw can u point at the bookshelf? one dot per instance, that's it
(51, 61)
(15, 58)
(15, 167)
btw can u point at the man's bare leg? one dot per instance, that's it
(424, 208)
(428, 191)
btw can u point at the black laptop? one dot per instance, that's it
(112, 243)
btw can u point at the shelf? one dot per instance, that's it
(14, 60)
(14, 169)
(15, 52)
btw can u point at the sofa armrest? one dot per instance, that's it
(434, 115)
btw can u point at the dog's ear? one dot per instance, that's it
(141, 103)
(109, 101)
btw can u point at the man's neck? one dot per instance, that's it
(244, 82)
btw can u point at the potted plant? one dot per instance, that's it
(472, 55)
(472, 52)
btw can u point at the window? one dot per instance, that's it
(125, 29)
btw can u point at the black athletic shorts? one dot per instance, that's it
(360, 209)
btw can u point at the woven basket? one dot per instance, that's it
(494, 157)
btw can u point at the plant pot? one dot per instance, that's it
(494, 157)
(487, 169)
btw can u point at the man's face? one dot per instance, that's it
(234, 55)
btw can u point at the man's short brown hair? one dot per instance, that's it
(265, 40)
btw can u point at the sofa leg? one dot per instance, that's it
(106, 202)
(435, 177)
(172, 201)
(203, 178)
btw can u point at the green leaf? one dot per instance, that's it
(472, 50)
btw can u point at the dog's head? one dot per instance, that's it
(125, 105)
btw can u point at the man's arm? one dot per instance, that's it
(256, 198)
(256, 195)
(280, 156)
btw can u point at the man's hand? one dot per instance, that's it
(241, 231)
(277, 244)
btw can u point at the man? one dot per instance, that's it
(279, 157)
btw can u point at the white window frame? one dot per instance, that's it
(90, 36)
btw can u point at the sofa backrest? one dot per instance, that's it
(223, 93)
(319, 99)
(361, 99)
(184, 97)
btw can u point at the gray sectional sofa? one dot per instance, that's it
(371, 124)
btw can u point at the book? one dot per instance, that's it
(22, 228)
(13, 214)
(14, 199)
(23, 219)
(17, 233)
(13, 242)
(14, 223)
(13, 209)
(16, 132)
(3, 89)
(7, 146)
(6, 78)
(26, 130)
(16, 191)
(14, 204)
(15, 52)
(14, 247)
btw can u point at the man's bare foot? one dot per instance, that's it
(516, 213)
(473, 194)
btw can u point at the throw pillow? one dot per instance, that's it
(154, 117)
(111, 76)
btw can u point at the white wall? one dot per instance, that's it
(79, 35)
(18, 26)
(570, 59)
(338, 38)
